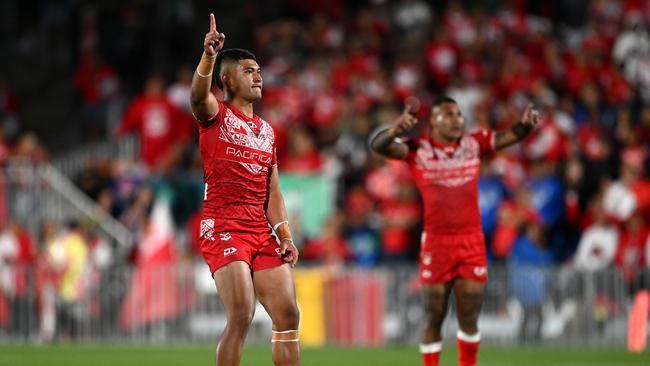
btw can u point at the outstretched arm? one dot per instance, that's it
(203, 102)
(519, 131)
(276, 214)
(387, 142)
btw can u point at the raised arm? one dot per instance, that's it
(387, 142)
(204, 103)
(276, 214)
(519, 130)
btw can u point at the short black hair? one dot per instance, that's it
(443, 99)
(232, 54)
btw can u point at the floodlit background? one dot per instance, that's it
(101, 178)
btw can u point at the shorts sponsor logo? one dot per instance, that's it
(229, 251)
(225, 236)
(426, 274)
(426, 259)
(480, 271)
(207, 229)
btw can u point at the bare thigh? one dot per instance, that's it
(276, 291)
(469, 299)
(235, 288)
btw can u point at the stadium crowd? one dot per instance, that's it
(577, 191)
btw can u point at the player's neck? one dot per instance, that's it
(244, 106)
(442, 140)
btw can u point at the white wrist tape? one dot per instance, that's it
(276, 226)
(203, 76)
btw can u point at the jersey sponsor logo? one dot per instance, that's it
(278, 251)
(248, 155)
(254, 151)
(255, 161)
(207, 229)
(450, 168)
(426, 274)
(229, 251)
(480, 271)
(225, 236)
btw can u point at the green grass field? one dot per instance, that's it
(100, 355)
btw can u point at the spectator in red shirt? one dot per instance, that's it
(162, 131)
(630, 253)
(98, 84)
(303, 156)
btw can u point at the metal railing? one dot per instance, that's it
(72, 162)
(37, 194)
(177, 302)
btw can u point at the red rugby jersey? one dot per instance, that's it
(238, 154)
(447, 177)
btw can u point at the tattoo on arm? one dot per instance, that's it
(382, 140)
(521, 130)
(384, 143)
(516, 133)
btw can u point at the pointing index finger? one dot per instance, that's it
(213, 23)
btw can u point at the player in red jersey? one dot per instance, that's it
(242, 197)
(445, 164)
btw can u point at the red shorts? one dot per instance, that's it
(252, 244)
(445, 257)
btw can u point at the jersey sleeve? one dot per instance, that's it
(215, 120)
(485, 139)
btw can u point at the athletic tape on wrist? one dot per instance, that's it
(203, 76)
(276, 226)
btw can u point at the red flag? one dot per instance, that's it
(637, 329)
(153, 295)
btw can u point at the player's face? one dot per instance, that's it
(447, 121)
(246, 80)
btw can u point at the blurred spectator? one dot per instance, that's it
(303, 156)
(598, 243)
(330, 248)
(179, 92)
(630, 253)
(362, 238)
(492, 192)
(529, 268)
(632, 53)
(399, 235)
(17, 277)
(162, 131)
(512, 217)
(99, 85)
(442, 57)
(67, 255)
(547, 199)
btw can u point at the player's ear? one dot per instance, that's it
(225, 80)
(436, 116)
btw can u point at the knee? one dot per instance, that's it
(434, 318)
(288, 318)
(468, 319)
(468, 323)
(241, 319)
